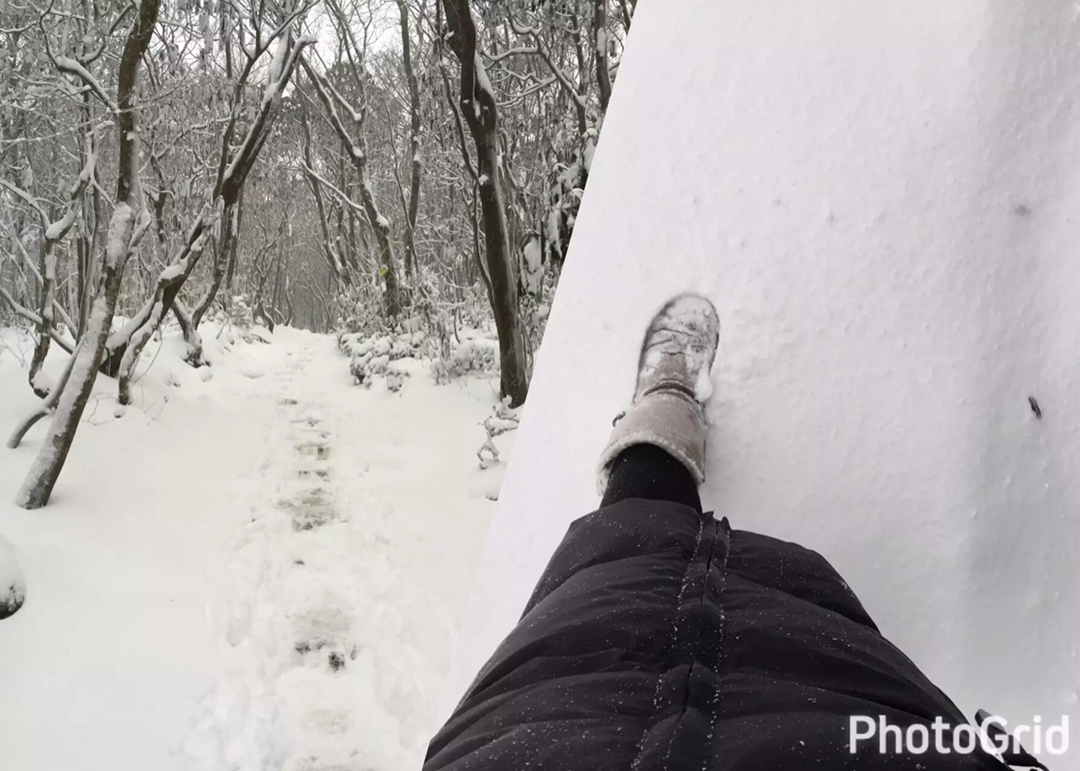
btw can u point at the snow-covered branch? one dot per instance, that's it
(72, 67)
(560, 75)
(26, 197)
(17, 309)
(288, 54)
(356, 115)
(495, 58)
(537, 87)
(335, 190)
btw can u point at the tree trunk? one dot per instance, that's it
(43, 475)
(329, 248)
(192, 338)
(603, 74)
(233, 251)
(414, 142)
(479, 109)
(47, 405)
(52, 234)
(47, 267)
(225, 258)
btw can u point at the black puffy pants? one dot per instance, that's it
(659, 638)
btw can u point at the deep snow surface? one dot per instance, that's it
(258, 566)
(882, 201)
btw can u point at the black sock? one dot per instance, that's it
(647, 471)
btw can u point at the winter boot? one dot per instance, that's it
(672, 385)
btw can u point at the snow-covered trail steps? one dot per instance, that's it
(335, 530)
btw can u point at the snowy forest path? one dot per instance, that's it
(291, 630)
(262, 565)
(318, 633)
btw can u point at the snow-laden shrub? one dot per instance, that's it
(395, 380)
(502, 420)
(240, 312)
(566, 185)
(439, 325)
(359, 309)
(534, 316)
(371, 357)
(237, 322)
(532, 267)
(432, 310)
(474, 355)
(12, 583)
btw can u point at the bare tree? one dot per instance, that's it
(329, 243)
(355, 142)
(124, 346)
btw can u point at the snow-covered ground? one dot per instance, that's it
(259, 565)
(883, 201)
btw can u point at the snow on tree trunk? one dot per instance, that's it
(47, 405)
(41, 479)
(44, 327)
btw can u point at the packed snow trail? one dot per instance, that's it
(881, 200)
(299, 550)
(331, 662)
